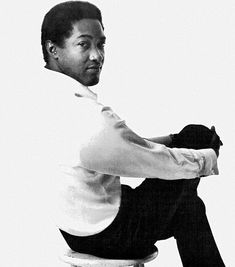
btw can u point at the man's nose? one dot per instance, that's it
(96, 55)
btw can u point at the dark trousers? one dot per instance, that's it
(155, 210)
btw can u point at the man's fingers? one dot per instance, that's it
(213, 138)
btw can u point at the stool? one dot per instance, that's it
(76, 259)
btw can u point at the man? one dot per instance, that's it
(90, 147)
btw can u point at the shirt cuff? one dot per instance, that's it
(210, 166)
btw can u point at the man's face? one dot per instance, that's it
(82, 55)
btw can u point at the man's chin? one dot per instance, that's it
(92, 82)
(88, 81)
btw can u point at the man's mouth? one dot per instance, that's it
(94, 68)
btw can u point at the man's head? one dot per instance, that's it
(73, 40)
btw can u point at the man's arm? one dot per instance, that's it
(113, 148)
(164, 140)
(193, 136)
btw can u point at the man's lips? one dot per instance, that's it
(94, 67)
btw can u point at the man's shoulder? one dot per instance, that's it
(61, 91)
(56, 80)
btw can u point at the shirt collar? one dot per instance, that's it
(84, 91)
(81, 90)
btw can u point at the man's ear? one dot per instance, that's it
(51, 49)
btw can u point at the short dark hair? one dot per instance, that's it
(58, 22)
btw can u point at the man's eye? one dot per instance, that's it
(83, 44)
(101, 45)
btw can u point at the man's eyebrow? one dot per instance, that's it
(102, 38)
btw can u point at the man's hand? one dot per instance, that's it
(197, 137)
(215, 141)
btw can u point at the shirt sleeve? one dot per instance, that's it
(112, 148)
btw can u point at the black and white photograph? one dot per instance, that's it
(117, 133)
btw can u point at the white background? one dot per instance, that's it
(168, 64)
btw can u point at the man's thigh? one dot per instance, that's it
(156, 203)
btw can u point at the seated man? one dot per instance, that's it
(91, 147)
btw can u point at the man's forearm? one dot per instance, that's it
(111, 147)
(164, 140)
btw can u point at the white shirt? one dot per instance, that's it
(87, 147)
